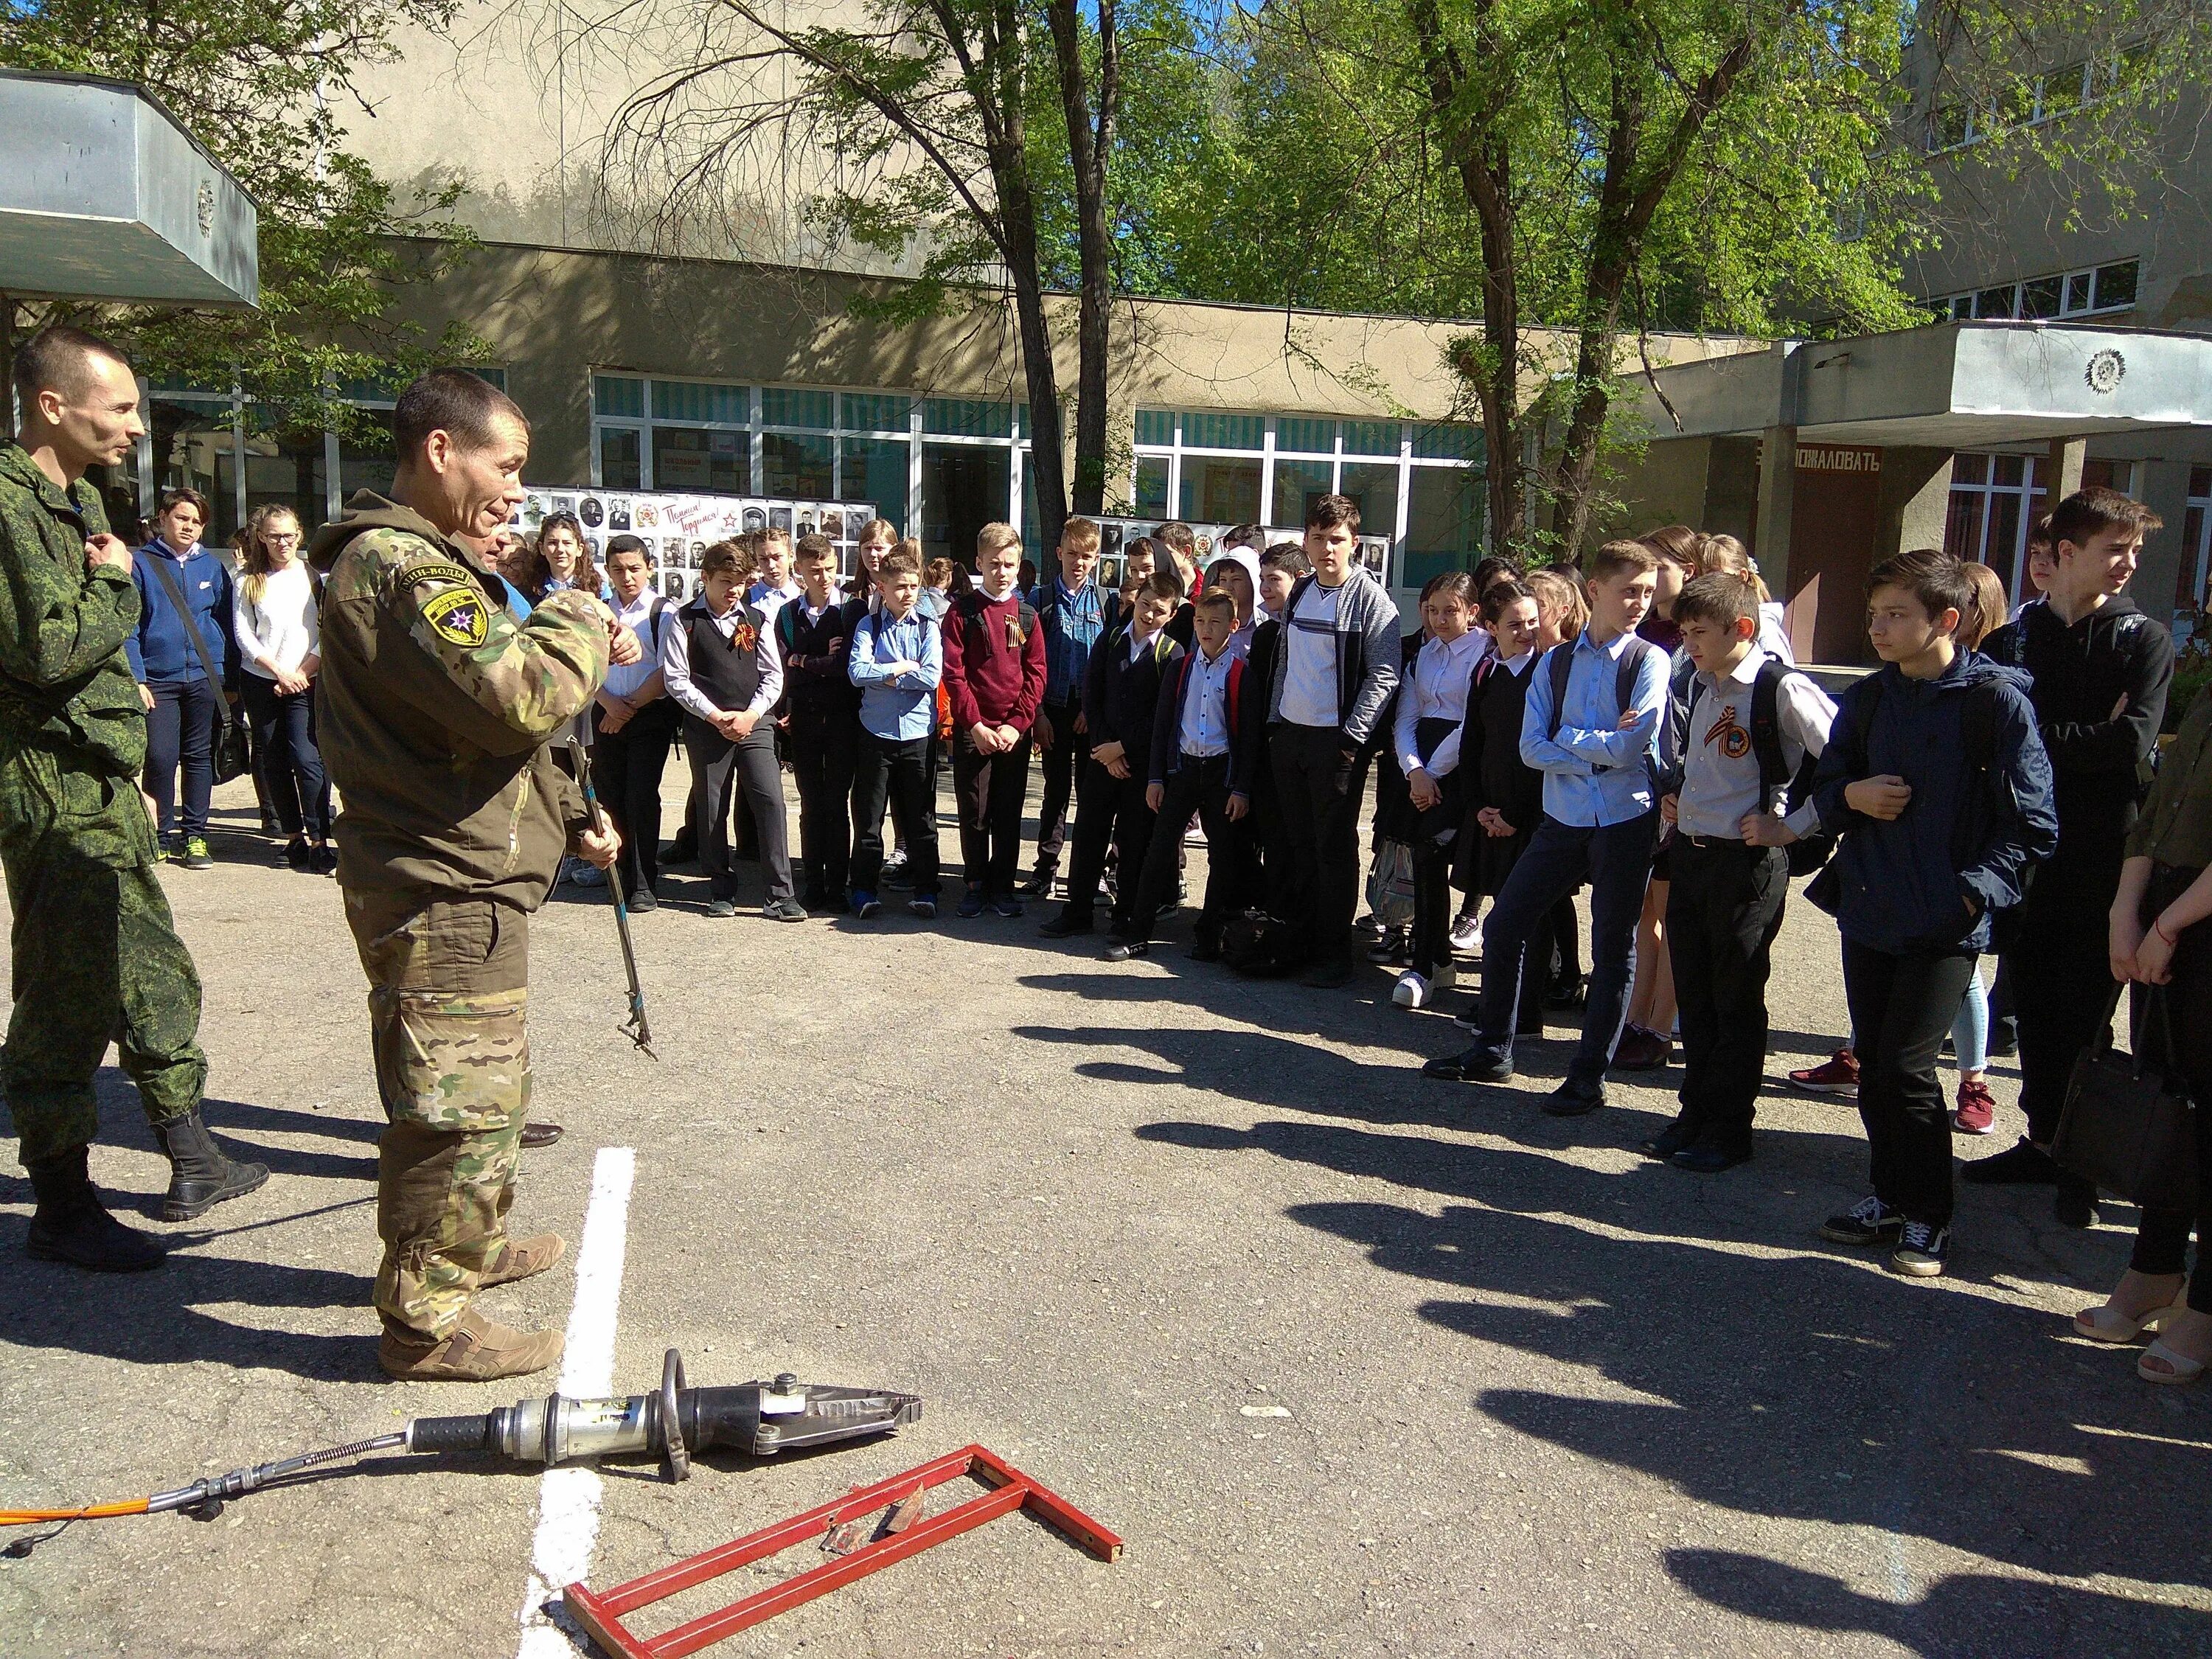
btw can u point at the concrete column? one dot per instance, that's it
(1777, 493)
(2162, 486)
(2063, 473)
(1916, 500)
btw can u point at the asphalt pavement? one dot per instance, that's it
(1356, 1362)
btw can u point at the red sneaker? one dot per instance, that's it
(1838, 1075)
(1976, 1113)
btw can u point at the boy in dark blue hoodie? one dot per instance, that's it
(1938, 783)
(185, 628)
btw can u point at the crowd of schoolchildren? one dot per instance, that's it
(1633, 730)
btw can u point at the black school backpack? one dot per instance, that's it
(1777, 785)
(1561, 665)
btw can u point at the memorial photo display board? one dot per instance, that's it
(677, 529)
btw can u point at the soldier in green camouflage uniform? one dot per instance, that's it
(95, 955)
(435, 713)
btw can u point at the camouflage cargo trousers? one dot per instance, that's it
(95, 955)
(448, 993)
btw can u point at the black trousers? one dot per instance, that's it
(286, 764)
(1063, 764)
(180, 730)
(1724, 910)
(2061, 979)
(625, 770)
(990, 790)
(2162, 1236)
(1109, 812)
(1902, 1006)
(825, 750)
(725, 771)
(1316, 788)
(1201, 787)
(897, 773)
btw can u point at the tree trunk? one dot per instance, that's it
(1018, 212)
(1484, 163)
(1089, 143)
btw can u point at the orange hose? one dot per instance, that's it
(92, 1512)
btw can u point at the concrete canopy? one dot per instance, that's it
(104, 195)
(1951, 386)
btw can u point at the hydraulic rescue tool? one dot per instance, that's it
(674, 1423)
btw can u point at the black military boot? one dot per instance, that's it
(200, 1176)
(70, 1224)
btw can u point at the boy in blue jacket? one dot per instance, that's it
(1937, 782)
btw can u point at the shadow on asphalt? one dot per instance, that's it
(1811, 1388)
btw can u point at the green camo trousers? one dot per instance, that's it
(448, 994)
(95, 953)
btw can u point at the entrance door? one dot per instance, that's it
(963, 488)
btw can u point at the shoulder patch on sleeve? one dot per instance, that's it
(457, 615)
(440, 570)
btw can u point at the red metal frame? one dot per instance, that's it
(600, 1611)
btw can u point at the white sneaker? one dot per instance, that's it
(1465, 935)
(1412, 991)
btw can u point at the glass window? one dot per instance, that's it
(193, 449)
(2077, 291)
(1995, 301)
(966, 417)
(1371, 437)
(1155, 426)
(2062, 90)
(368, 462)
(783, 406)
(963, 488)
(1151, 493)
(1374, 485)
(1296, 482)
(874, 469)
(866, 412)
(1300, 436)
(1220, 489)
(1032, 534)
(1962, 525)
(699, 403)
(618, 395)
(620, 467)
(2116, 285)
(1946, 126)
(795, 466)
(1225, 432)
(2200, 482)
(692, 457)
(1970, 469)
(2008, 471)
(289, 469)
(2041, 297)
(1962, 305)
(1442, 442)
(1443, 522)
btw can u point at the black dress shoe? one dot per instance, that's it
(2074, 1204)
(1677, 1136)
(1128, 950)
(1475, 1065)
(541, 1134)
(1709, 1157)
(2025, 1165)
(1328, 975)
(1575, 1099)
(1068, 923)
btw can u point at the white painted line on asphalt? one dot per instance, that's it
(568, 1500)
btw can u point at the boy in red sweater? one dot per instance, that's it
(994, 674)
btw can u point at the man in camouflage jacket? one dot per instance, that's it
(434, 711)
(96, 955)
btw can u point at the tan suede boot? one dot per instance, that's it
(478, 1350)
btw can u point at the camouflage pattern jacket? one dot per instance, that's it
(434, 708)
(64, 685)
